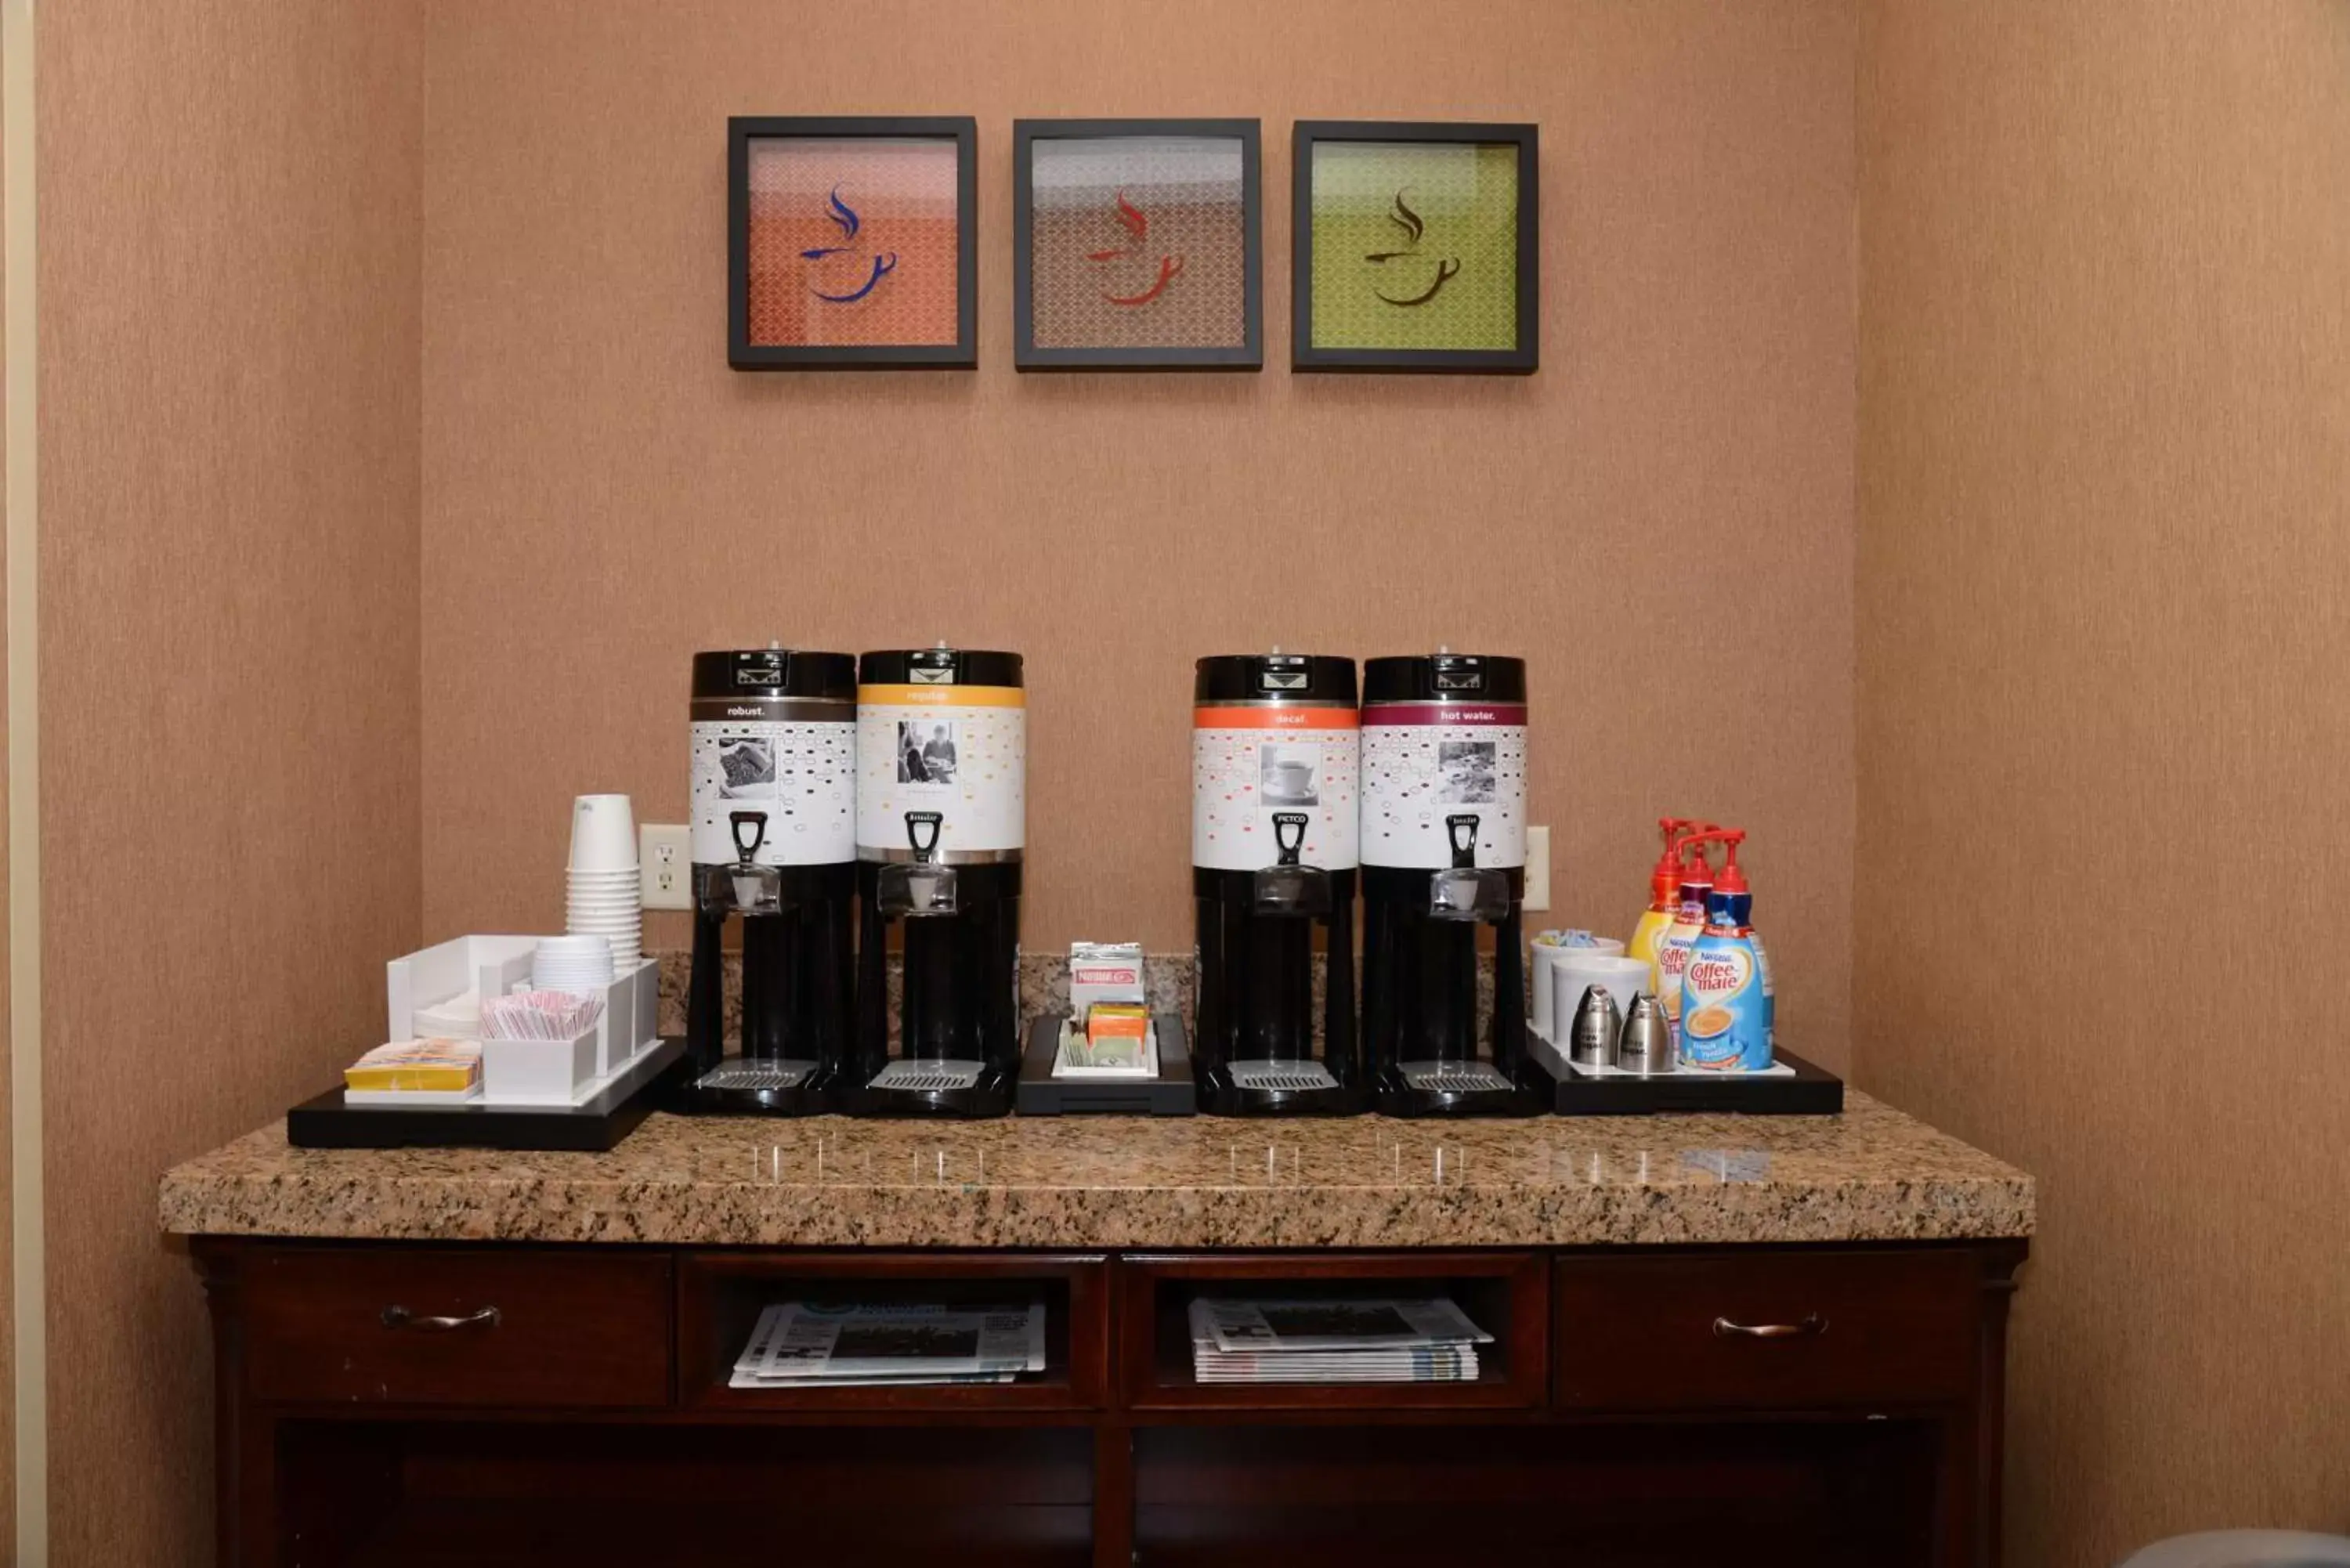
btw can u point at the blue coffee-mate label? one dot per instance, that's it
(1725, 1011)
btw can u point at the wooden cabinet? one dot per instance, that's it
(397, 1402)
(1789, 1329)
(456, 1326)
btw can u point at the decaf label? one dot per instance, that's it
(1250, 765)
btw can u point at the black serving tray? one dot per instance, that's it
(1168, 1094)
(1812, 1091)
(590, 1129)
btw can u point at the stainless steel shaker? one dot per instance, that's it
(1646, 1044)
(1592, 1037)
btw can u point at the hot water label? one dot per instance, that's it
(1725, 1017)
(1424, 762)
(958, 751)
(1250, 762)
(792, 761)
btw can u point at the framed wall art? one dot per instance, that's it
(852, 242)
(1415, 247)
(1136, 244)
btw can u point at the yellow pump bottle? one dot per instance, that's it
(1689, 924)
(1664, 886)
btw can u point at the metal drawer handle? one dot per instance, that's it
(401, 1317)
(1811, 1326)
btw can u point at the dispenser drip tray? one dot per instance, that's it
(1280, 1077)
(1452, 1077)
(927, 1078)
(757, 1073)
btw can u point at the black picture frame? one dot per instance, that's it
(1522, 361)
(741, 354)
(1249, 355)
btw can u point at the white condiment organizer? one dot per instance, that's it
(539, 1072)
(542, 1072)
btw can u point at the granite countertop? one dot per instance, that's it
(1870, 1175)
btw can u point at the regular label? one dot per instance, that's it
(1249, 764)
(958, 751)
(1425, 764)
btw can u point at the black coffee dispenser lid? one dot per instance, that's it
(1274, 678)
(939, 666)
(1445, 677)
(776, 672)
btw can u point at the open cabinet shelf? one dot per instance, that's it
(722, 1293)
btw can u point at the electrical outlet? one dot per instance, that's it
(664, 856)
(1537, 868)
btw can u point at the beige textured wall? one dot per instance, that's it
(2105, 455)
(7, 1040)
(230, 413)
(1660, 519)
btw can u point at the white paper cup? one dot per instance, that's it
(1540, 955)
(603, 834)
(1574, 970)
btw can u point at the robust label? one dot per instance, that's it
(1427, 762)
(1725, 1015)
(958, 751)
(1250, 763)
(793, 762)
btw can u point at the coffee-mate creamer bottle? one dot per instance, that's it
(1689, 924)
(1664, 883)
(1726, 1002)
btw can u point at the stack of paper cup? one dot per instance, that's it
(581, 965)
(604, 889)
(1544, 951)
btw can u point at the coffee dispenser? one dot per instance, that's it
(1445, 852)
(1273, 763)
(941, 817)
(774, 844)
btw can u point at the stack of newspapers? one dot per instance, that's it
(807, 1345)
(1421, 1340)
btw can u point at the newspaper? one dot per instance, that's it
(1286, 1326)
(1435, 1365)
(806, 1344)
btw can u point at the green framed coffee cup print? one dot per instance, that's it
(1415, 247)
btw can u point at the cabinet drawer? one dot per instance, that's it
(456, 1327)
(1777, 1330)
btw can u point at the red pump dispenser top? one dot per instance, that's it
(1695, 871)
(1730, 879)
(1665, 881)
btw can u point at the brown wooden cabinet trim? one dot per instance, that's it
(1112, 1366)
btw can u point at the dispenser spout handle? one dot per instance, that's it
(922, 829)
(756, 822)
(1463, 830)
(1289, 835)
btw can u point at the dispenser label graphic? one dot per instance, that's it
(1253, 765)
(766, 756)
(1428, 764)
(961, 751)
